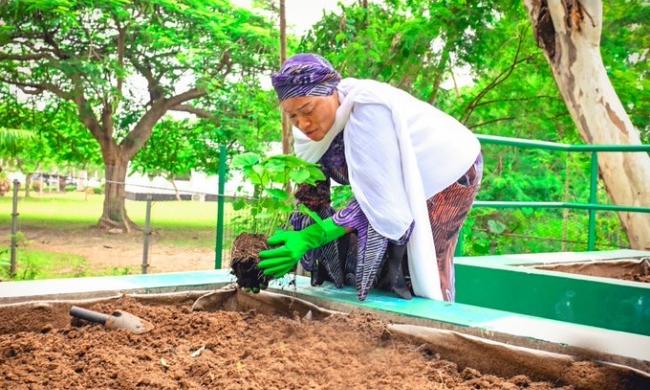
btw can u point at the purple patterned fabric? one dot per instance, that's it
(333, 161)
(305, 75)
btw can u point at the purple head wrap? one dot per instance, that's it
(305, 75)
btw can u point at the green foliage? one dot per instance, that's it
(270, 178)
(120, 271)
(341, 196)
(624, 48)
(11, 140)
(168, 152)
(52, 136)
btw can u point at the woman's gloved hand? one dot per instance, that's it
(279, 261)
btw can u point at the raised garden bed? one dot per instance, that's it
(637, 270)
(588, 288)
(230, 339)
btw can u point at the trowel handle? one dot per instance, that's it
(88, 315)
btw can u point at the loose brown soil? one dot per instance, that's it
(635, 270)
(245, 250)
(39, 349)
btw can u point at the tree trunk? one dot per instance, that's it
(287, 136)
(440, 69)
(114, 213)
(569, 31)
(178, 194)
(28, 183)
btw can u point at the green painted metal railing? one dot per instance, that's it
(218, 250)
(592, 206)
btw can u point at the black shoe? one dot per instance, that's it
(393, 278)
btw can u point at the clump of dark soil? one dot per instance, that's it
(227, 350)
(244, 255)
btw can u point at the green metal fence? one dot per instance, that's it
(592, 205)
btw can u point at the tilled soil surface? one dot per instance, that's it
(634, 270)
(40, 349)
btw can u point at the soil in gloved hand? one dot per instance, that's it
(245, 257)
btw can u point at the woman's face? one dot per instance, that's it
(313, 115)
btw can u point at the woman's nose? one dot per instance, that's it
(303, 123)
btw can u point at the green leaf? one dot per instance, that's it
(239, 204)
(496, 227)
(301, 175)
(277, 194)
(245, 160)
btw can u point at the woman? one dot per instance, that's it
(414, 172)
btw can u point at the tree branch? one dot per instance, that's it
(38, 88)
(185, 96)
(88, 118)
(142, 130)
(501, 77)
(153, 84)
(486, 102)
(196, 111)
(25, 57)
(121, 38)
(48, 37)
(491, 121)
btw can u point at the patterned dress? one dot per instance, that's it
(357, 258)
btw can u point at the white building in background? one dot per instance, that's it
(199, 185)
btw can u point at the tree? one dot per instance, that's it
(569, 33)
(95, 54)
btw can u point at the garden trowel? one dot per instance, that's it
(117, 320)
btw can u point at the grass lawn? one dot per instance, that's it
(72, 210)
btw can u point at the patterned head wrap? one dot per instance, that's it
(305, 75)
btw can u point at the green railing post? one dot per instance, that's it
(14, 230)
(593, 199)
(218, 250)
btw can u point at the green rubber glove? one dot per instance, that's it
(279, 261)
